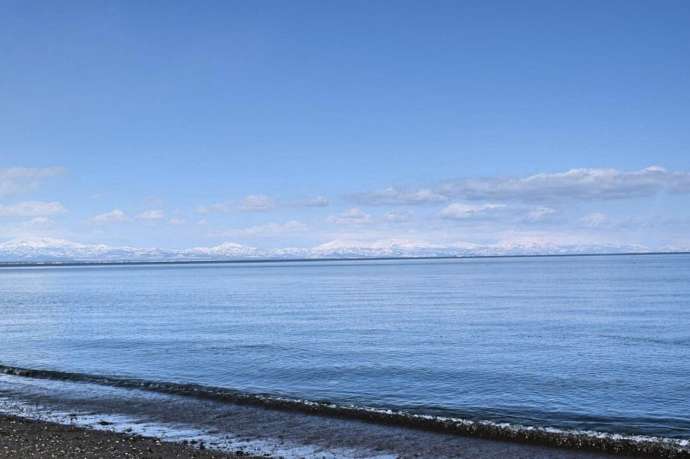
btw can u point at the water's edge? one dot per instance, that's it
(545, 436)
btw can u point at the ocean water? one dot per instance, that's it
(584, 343)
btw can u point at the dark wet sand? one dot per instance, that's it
(28, 439)
(23, 438)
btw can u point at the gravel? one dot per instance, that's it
(28, 439)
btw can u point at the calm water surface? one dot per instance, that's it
(598, 343)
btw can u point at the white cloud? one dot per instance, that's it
(397, 216)
(250, 203)
(31, 209)
(602, 184)
(540, 213)
(595, 219)
(114, 216)
(39, 221)
(15, 180)
(395, 196)
(354, 216)
(256, 202)
(461, 211)
(268, 229)
(219, 207)
(317, 201)
(583, 184)
(152, 215)
(177, 221)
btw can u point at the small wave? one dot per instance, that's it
(634, 445)
(682, 341)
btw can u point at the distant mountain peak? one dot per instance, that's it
(61, 250)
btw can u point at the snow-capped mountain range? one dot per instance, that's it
(59, 250)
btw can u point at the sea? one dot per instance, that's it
(273, 357)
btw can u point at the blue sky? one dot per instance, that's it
(275, 124)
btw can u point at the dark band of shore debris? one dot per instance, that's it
(586, 440)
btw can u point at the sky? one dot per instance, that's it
(297, 124)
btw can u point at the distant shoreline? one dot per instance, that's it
(20, 264)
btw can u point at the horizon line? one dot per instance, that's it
(20, 264)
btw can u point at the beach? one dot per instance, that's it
(27, 439)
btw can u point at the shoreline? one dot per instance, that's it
(29, 438)
(77, 263)
(584, 441)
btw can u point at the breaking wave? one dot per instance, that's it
(635, 445)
